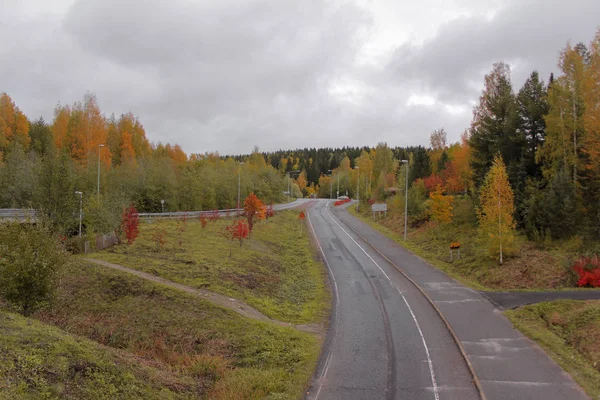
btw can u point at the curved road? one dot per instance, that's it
(386, 341)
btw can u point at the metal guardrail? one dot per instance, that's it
(190, 214)
(18, 214)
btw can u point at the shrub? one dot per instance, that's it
(130, 223)
(588, 271)
(31, 259)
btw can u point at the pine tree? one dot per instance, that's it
(494, 126)
(496, 221)
(420, 166)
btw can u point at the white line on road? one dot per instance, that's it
(433, 382)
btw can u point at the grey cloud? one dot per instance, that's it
(527, 34)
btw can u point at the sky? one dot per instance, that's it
(228, 75)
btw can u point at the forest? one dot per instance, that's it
(547, 135)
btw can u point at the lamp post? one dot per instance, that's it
(406, 200)
(239, 184)
(330, 184)
(338, 189)
(99, 147)
(162, 206)
(357, 187)
(289, 183)
(80, 209)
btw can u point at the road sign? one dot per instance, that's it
(301, 216)
(379, 207)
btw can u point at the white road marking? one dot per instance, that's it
(337, 302)
(433, 382)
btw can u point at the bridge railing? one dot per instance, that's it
(190, 214)
(17, 214)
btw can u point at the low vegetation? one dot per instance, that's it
(179, 344)
(530, 266)
(274, 271)
(569, 331)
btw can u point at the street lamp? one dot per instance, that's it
(289, 182)
(330, 184)
(162, 205)
(338, 189)
(80, 209)
(405, 200)
(239, 183)
(99, 147)
(357, 187)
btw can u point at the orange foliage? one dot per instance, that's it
(14, 126)
(254, 209)
(127, 152)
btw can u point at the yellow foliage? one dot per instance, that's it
(496, 222)
(441, 206)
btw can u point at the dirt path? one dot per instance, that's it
(219, 299)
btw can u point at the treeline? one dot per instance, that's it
(43, 165)
(547, 135)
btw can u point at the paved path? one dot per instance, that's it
(508, 300)
(386, 341)
(216, 298)
(508, 365)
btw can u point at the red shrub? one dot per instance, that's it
(130, 222)
(270, 212)
(588, 271)
(214, 216)
(432, 181)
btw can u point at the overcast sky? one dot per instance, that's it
(225, 75)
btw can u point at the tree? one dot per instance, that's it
(494, 125)
(41, 137)
(438, 140)
(495, 214)
(254, 209)
(238, 230)
(564, 121)
(130, 223)
(31, 259)
(441, 206)
(532, 107)
(14, 126)
(420, 165)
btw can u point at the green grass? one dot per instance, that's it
(203, 350)
(38, 361)
(529, 267)
(569, 331)
(275, 271)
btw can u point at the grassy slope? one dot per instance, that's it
(569, 331)
(203, 351)
(274, 271)
(39, 361)
(529, 268)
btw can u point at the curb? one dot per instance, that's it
(476, 380)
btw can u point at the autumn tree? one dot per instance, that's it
(14, 126)
(254, 210)
(441, 206)
(495, 214)
(238, 230)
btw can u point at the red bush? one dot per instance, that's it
(432, 181)
(214, 216)
(588, 271)
(270, 212)
(130, 222)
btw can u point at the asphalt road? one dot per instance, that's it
(385, 341)
(374, 349)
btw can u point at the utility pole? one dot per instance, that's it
(80, 209)
(99, 147)
(239, 184)
(357, 187)
(406, 200)
(338, 189)
(330, 184)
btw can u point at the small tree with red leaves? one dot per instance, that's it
(254, 210)
(181, 228)
(270, 212)
(130, 224)
(237, 230)
(214, 216)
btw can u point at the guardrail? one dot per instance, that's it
(18, 214)
(190, 214)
